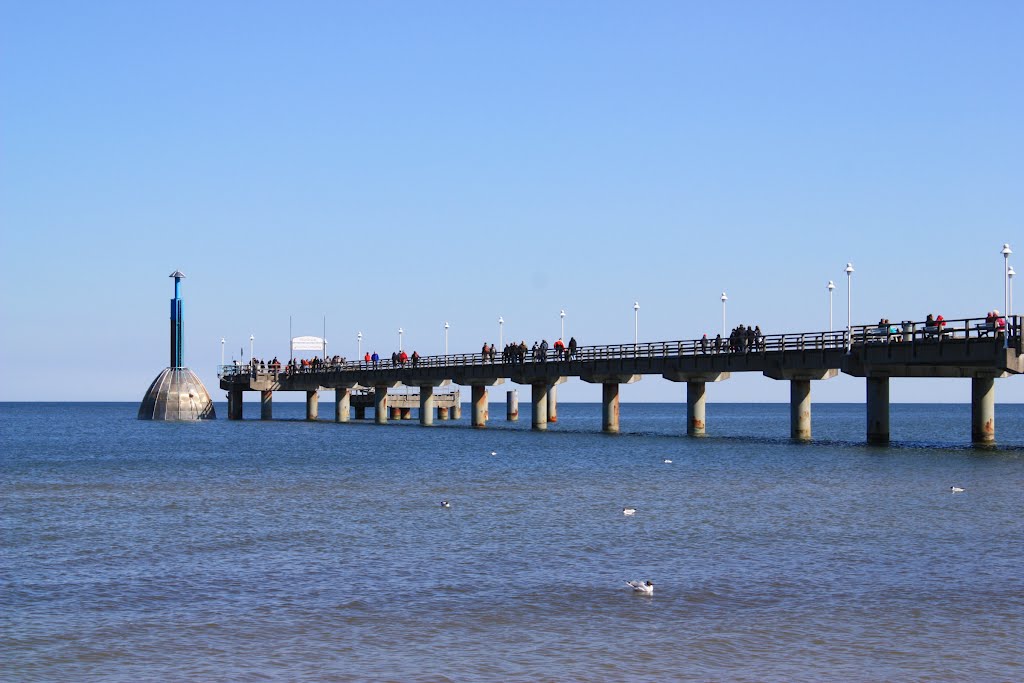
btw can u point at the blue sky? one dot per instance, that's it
(401, 164)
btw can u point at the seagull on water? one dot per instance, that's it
(445, 504)
(629, 511)
(494, 452)
(667, 461)
(955, 489)
(642, 587)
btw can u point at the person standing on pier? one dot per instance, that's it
(375, 359)
(572, 348)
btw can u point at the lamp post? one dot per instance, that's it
(724, 299)
(849, 300)
(446, 338)
(251, 353)
(1009, 307)
(831, 286)
(561, 315)
(1006, 277)
(501, 332)
(400, 332)
(222, 340)
(359, 346)
(636, 324)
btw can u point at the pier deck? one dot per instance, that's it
(965, 348)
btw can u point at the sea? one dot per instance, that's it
(290, 550)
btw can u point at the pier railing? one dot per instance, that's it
(1005, 330)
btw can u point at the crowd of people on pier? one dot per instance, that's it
(742, 339)
(517, 354)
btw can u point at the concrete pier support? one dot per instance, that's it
(553, 403)
(983, 410)
(610, 407)
(512, 405)
(312, 405)
(266, 405)
(405, 413)
(395, 413)
(235, 404)
(427, 406)
(342, 404)
(800, 396)
(442, 413)
(800, 409)
(540, 406)
(479, 401)
(878, 410)
(380, 405)
(360, 412)
(457, 411)
(696, 382)
(695, 408)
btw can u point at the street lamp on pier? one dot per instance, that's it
(562, 316)
(501, 332)
(400, 332)
(1006, 277)
(446, 338)
(636, 324)
(1009, 306)
(831, 286)
(252, 354)
(849, 301)
(222, 340)
(724, 299)
(359, 346)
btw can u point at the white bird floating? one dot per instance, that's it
(667, 461)
(494, 452)
(642, 587)
(629, 511)
(445, 504)
(956, 489)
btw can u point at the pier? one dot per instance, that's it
(966, 348)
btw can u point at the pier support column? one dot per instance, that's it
(610, 384)
(235, 404)
(540, 406)
(800, 396)
(696, 383)
(695, 407)
(266, 405)
(610, 407)
(395, 413)
(800, 409)
(553, 403)
(426, 406)
(406, 413)
(457, 410)
(342, 404)
(442, 413)
(479, 400)
(983, 410)
(878, 410)
(312, 405)
(360, 412)
(512, 405)
(380, 405)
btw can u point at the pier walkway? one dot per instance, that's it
(965, 348)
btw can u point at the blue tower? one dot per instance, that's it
(177, 323)
(177, 394)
